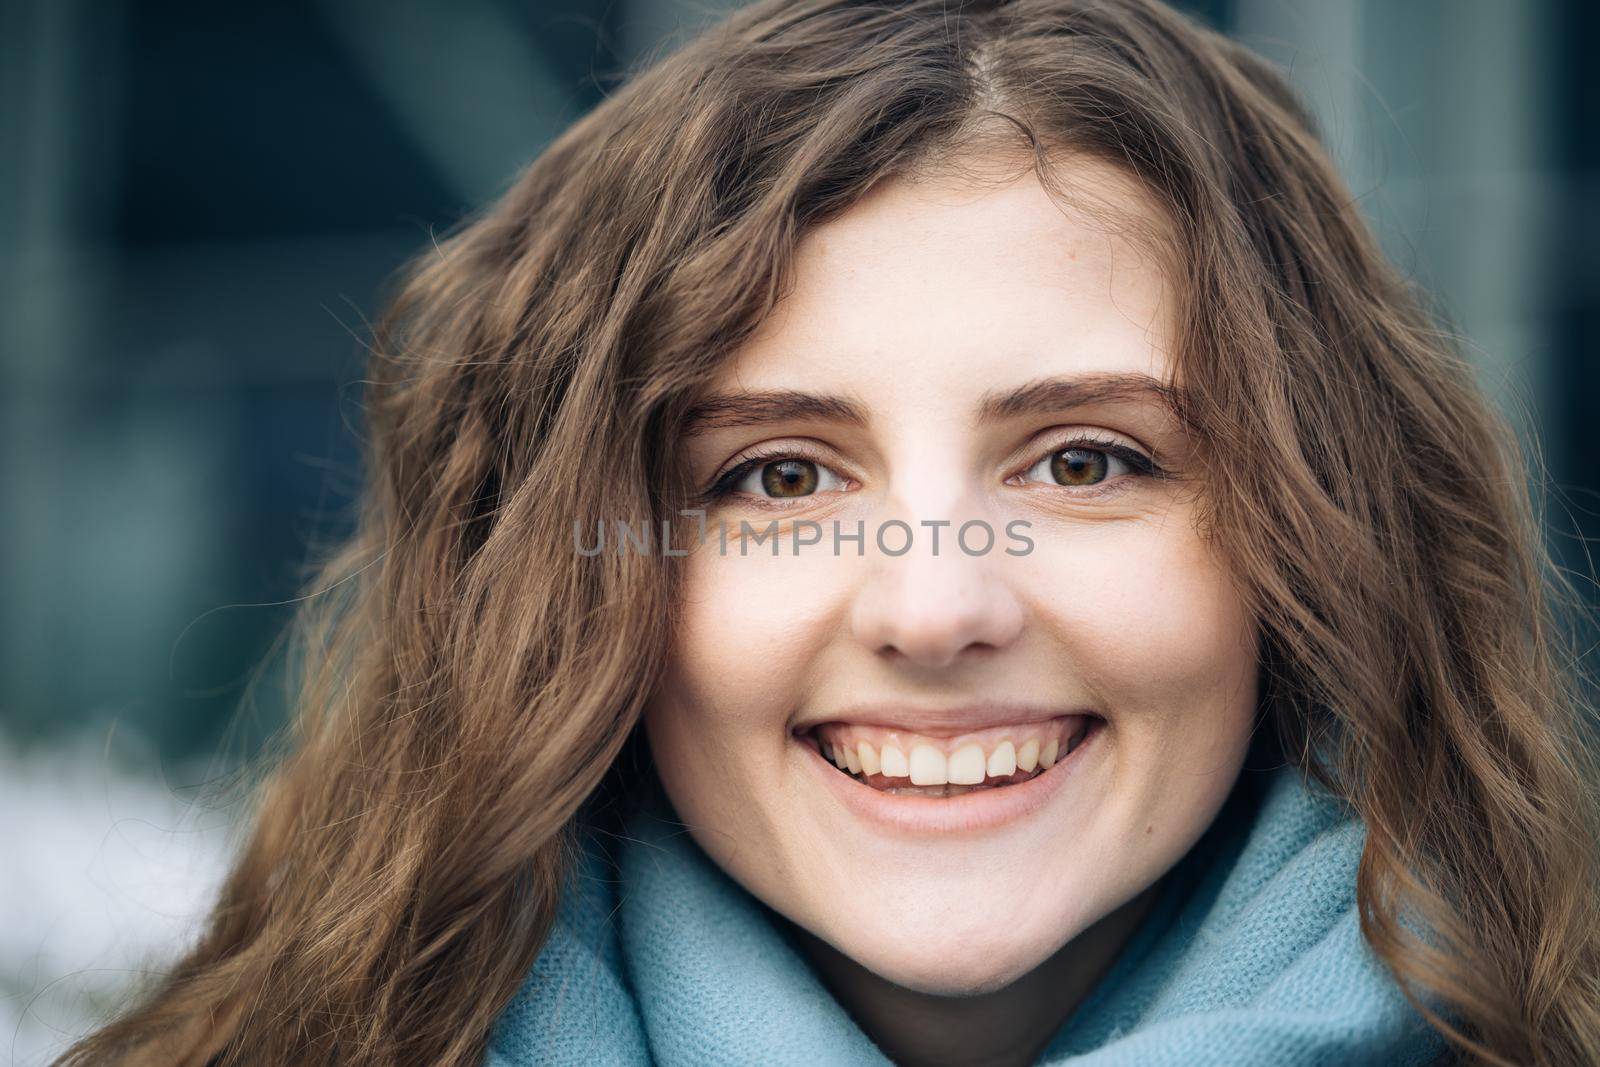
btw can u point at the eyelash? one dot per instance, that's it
(1142, 466)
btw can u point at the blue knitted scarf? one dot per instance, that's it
(1251, 955)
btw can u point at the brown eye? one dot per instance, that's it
(776, 477)
(1078, 466)
(1088, 464)
(789, 478)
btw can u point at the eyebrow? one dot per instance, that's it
(775, 405)
(1037, 397)
(1053, 394)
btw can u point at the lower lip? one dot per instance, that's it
(983, 809)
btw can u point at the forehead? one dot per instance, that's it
(941, 282)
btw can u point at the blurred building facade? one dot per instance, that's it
(199, 204)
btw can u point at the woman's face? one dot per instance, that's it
(937, 364)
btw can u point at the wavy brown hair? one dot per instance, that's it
(470, 679)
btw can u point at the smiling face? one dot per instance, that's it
(969, 339)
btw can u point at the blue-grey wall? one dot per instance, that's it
(199, 202)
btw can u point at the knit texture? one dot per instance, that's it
(1251, 955)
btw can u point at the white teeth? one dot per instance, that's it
(928, 766)
(869, 758)
(966, 765)
(894, 763)
(1003, 761)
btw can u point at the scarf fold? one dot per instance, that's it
(1251, 955)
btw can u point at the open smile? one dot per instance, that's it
(970, 780)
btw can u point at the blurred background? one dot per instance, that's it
(199, 204)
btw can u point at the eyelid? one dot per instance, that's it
(1092, 439)
(770, 453)
(720, 483)
(1143, 466)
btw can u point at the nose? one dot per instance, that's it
(931, 607)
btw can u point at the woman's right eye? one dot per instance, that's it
(776, 478)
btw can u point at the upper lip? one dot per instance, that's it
(933, 721)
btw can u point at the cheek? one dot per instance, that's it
(1151, 608)
(1159, 636)
(1185, 630)
(748, 630)
(749, 633)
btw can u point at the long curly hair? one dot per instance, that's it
(469, 679)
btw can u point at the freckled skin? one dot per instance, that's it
(914, 302)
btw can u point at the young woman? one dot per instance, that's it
(921, 531)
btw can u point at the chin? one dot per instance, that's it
(963, 965)
(942, 980)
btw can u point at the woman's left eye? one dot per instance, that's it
(1082, 464)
